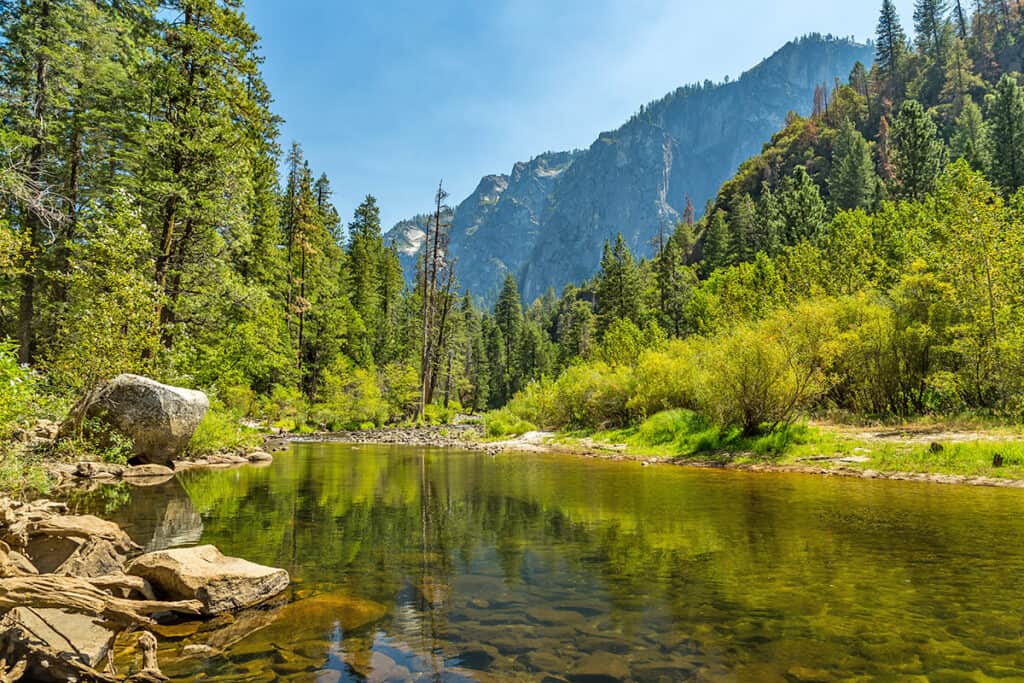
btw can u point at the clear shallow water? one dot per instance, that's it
(412, 564)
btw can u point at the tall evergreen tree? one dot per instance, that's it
(852, 180)
(743, 230)
(1006, 134)
(890, 48)
(929, 20)
(918, 153)
(970, 136)
(802, 207)
(716, 243)
(508, 316)
(618, 285)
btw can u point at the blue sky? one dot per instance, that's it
(387, 96)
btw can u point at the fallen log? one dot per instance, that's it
(84, 597)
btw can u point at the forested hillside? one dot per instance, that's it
(867, 261)
(146, 228)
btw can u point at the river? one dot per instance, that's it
(422, 564)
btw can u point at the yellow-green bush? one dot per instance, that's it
(221, 430)
(504, 422)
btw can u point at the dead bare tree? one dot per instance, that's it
(434, 268)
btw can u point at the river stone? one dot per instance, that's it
(71, 636)
(159, 419)
(599, 667)
(202, 573)
(150, 471)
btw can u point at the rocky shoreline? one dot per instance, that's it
(70, 585)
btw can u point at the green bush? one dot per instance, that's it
(19, 396)
(221, 430)
(504, 422)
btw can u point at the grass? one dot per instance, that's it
(685, 436)
(22, 474)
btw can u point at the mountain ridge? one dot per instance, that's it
(547, 219)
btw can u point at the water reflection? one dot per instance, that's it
(429, 565)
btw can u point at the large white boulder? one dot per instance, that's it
(158, 418)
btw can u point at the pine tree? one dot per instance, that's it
(852, 180)
(365, 263)
(508, 316)
(743, 229)
(802, 207)
(970, 136)
(918, 153)
(929, 20)
(771, 222)
(716, 243)
(674, 279)
(890, 48)
(1006, 134)
(618, 285)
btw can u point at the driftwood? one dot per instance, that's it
(82, 596)
(150, 672)
(14, 673)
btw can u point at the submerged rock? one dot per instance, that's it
(159, 419)
(203, 573)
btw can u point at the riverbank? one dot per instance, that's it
(934, 453)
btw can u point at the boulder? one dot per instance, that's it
(202, 573)
(159, 419)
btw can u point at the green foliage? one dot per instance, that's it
(1006, 146)
(852, 181)
(504, 423)
(19, 394)
(618, 286)
(918, 153)
(970, 136)
(221, 431)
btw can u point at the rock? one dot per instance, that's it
(194, 650)
(202, 573)
(599, 667)
(148, 472)
(95, 557)
(159, 419)
(13, 563)
(348, 611)
(52, 635)
(260, 456)
(98, 470)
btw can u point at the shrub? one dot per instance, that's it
(504, 422)
(19, 398)
(596, 394)
(221, 430)
(665, 379)
(539, 402)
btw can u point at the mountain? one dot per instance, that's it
(547, 220)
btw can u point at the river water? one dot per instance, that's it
(428, 565)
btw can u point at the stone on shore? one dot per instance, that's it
(203, 573)
(159, 419)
